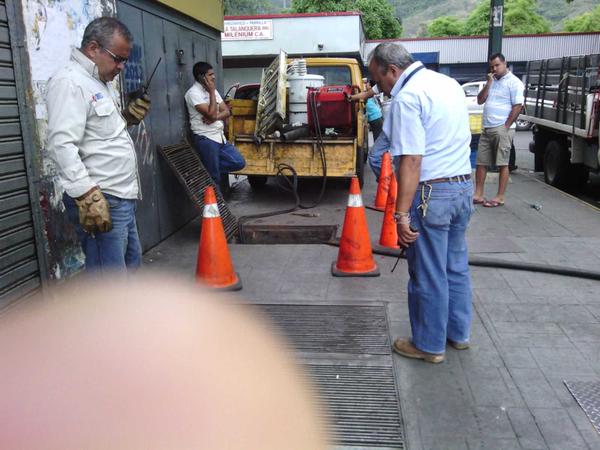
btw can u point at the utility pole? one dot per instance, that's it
(495, 28)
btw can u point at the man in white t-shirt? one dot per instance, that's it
(207, 112)
(503, 99)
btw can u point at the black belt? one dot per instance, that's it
(456, 179)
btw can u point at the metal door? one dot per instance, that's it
(136, 72)
(181, 42)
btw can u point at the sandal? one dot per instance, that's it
(479, 201)
(492, 204)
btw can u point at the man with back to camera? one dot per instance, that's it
(380, 142)
(503, 98)
(428, 129)
(207, 112)
(92, 150)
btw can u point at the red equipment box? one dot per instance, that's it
(333, 110)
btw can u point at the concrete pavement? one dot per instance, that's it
(531, 331)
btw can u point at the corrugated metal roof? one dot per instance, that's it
(515, 48)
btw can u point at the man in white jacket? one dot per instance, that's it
(92, 150)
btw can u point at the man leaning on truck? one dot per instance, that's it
(503, 98)
(207, 112)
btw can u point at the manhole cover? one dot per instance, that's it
(363, 405)
(587, 394)
(333, 329)
(358, 389)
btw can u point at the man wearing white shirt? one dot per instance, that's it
(503, 98)
(207, 112)
(428, 130)
(92, 150)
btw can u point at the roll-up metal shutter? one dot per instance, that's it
(19, 268)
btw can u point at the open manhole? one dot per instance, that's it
(286, 234)
(358, 386)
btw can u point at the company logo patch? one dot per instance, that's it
(97, 96)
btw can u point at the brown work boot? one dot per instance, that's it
(405, 347)
(458, 345)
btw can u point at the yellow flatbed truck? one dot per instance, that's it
(344, 152)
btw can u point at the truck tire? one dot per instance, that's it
(538, 162)
(257, 181)
(557, 165)
(578, 177)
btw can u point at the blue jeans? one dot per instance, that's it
(439, 288)
(218, 158)
(381, 145)
(118, 249)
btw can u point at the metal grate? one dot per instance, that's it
(333, 329)
(359, 388)
(195, 179)
(587, 394)
(363, 406)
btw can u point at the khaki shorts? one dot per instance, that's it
(494, 146)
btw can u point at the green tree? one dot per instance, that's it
(445, 26)
(246, 7)
(520, 17)
(378, 15)
(589, 21)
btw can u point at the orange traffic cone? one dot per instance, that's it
(214, 268)
(389, 232)
(355, 257)
(384, 183)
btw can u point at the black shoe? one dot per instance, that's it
(512, 168)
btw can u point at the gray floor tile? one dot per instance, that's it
(492, 422)
(552, 360)
(526, 429)
(518, 357)
(527, 327)
(493, 444)
(552, 313)
(534, 388)
(594, 309)
(480, 356)
(585, 427)
(489, 388)
(495, 295)
(582, 332)
(499, 312)
(558, 429)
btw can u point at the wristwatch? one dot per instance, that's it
(402, 217)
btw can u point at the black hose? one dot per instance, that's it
(501, 264)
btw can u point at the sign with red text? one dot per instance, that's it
(247, 30)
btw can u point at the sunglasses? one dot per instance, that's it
(116, 58)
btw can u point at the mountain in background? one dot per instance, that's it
(415, 14)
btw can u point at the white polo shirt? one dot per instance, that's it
(197, 95)
(428, 116)
(504, 93)
(87, 134)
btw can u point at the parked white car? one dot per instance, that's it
(471, 90)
